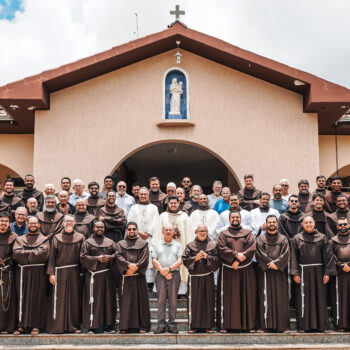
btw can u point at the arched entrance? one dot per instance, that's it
(173, 160)
(6, 172)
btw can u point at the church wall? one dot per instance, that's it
(254, 126)
(16, 153)
(328, 153)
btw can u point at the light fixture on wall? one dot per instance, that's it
(178, 55)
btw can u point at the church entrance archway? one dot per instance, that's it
(173, 160)
(6, 172)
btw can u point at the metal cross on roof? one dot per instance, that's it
(177, 12)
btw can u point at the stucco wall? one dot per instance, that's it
(254, 126)
(328, 154)
(16, 153)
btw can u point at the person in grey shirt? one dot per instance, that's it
(124, 200)
(216, 195)
(166, 258)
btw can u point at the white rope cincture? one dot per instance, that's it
(337, 293)
(265, 300)
(55, 287)
(222, 289)
(303, 285)
(123, 276)
(91, 300)
(21, 287)
(190, 295)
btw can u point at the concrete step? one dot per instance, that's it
(181, 313)
(181, 303)
(180, 341)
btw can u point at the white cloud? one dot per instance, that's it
(309, 35)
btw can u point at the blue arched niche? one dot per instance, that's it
(180, 76)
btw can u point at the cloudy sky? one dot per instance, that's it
(311, 35)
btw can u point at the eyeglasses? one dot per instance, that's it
(294, 201)
(340, 225)
(186, 182)
(132, 229)
(285, 185)
(121, 186)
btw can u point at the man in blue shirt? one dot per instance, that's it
(19, 225)
(277, 202)
(223, 203)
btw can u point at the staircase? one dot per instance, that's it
(181, 341)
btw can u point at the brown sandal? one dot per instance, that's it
(223, 330)
(18, 331)
(192, 331)
(35, 331)
(209, 331)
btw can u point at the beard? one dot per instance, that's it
(236, 224)
(278, 196)
(344, 230)
(33, 229)
(50, 210)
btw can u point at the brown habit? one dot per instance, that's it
(332, 219)
(134, 305)
(321, 223)
(94, 204)
(289, 223)
(7, 277)
(32, 297)
(247, 198)
(201, 289)
(14, 202)
(305, 200)
(236, 304)
(50, 223)
(331, 198)
(273, 300)
(158, 199)
(308, 249)
(340, 292)
(34, 193)
(64, 263)
(84, 223)
(114, 220)
(99, 285)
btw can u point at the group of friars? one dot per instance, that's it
(242, 259)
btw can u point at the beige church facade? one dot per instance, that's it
(105, 115)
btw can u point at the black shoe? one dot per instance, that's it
(173, 330)
(159, 330)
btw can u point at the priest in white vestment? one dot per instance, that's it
(146, 216)
(183, 232)
(205, 216)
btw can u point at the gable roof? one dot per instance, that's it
(327, 99)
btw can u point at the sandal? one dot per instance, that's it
(122, 331)
(260, 330)
(35, 331)
(209, 331)
(142, 331)
(252, 331)
(223, 330)
(18, 331)
(192, 331)
(287, 331)
(4, 332)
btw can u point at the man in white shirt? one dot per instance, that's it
(224, 222)
(124, 200)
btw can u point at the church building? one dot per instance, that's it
(173, 104)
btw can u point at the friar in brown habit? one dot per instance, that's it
(7, 277)
(10, 198)
(201, 259)
(304, 196)
(272, 254)
(249, 196)
(84, 222)
(312, 264)
(94, 201)
(342, 211)
(113, 218)
(97, 256)
(318, 213)
(236, 298)
(156, 196)
(132, 256)
(65, 283)
(51, 219)
(31, 192)
(340, 291)
(31, 252)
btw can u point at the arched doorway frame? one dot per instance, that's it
(186, 142)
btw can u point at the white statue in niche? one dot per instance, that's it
(176, 91)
